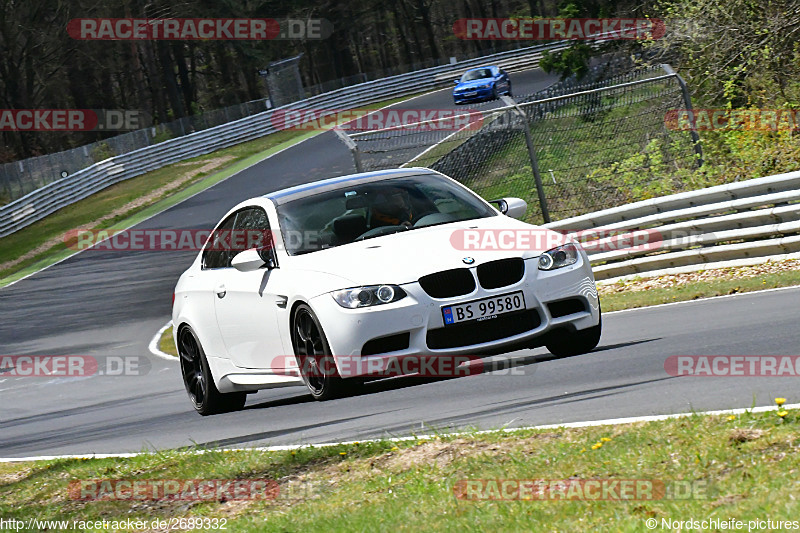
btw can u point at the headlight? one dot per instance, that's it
(558, 257)
(368, 296)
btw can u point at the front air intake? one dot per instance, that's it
(501, 273)
(448, 283)
(470, 333)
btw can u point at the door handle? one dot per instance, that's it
(221, 291)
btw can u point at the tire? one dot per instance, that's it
(509, 90)
(314, 357)
(495, 94)
(199, 383)
(577, 342)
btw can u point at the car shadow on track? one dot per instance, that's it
(484, 367)
(477, 368)
(550, 357)
(266, 435)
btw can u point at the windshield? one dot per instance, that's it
(478, 74)
(358, 212)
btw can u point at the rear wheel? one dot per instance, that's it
(199, 383)
(577, 342)
(314, 357)
(495, 94)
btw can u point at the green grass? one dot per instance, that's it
(711, 466)
(696, 290)
(167, 344)
(115, 197)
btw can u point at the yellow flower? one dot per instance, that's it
(342, 453)
(732, 417)
(395, 449)
(605, 439)
(294, 452)
(597, 445)
(780, 401)
(782, 413)
(583, 450)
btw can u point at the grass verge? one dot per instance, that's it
(129, 202)
(700, 467)
(167, 344)
(636, 292)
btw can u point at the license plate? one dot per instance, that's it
(484, 309)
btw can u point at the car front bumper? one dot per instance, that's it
(414, 326)
(473, 95)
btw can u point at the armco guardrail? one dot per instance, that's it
(755, 218)
(61, 193)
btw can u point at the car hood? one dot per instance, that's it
(405, 257)
(474, 83)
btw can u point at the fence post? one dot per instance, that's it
(537, 177)
(351, 145)
(6, 180)
(687, 101)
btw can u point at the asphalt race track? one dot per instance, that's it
(101, 303)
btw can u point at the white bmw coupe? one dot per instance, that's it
(368, 268)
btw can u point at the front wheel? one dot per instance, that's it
(577, 342)
(314, 357)
(199, 383)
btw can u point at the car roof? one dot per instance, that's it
(483, 67)
(308, 189)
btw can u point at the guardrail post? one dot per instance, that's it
(687, 101)
(537, 177)
(352, 146)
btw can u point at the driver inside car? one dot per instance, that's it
(392, 207)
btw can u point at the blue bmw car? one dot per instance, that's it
(482, 83)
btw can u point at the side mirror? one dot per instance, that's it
(511, 207)
(248, 261)
(456, 82)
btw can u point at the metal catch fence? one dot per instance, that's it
(574, 148)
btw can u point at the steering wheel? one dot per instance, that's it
(383, 230)
(434, 218)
